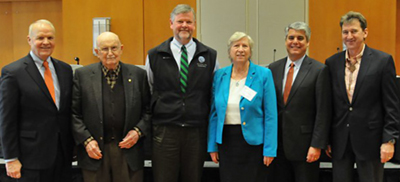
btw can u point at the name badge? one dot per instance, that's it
(248, 93)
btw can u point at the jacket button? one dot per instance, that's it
(351, 109)
(101, 138)
(242, 108)
(347, 125)
(244, 123)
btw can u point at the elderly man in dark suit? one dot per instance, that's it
(365, 105)
(35, 115)
(304, 109)
(110, 115)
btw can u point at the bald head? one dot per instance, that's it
(109, 49)
(107, 36)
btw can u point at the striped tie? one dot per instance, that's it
(184, 69)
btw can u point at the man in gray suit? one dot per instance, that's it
(110, 115)
(304, 109)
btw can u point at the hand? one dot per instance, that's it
(313, 154)
(14, 169)
(214, 157)
(387, 151)
(268, 160)
(130, 140)
(328, 151)
(93, 150)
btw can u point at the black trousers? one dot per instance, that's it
(284, 170)
(368, 170)
(178, 153)
(239, 161)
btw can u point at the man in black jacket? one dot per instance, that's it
(180, 72)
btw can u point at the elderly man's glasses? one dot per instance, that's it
(108, 49)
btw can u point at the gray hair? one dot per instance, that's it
(350, 16)
(236, 37)
(182, 8)
(41, 21)
(298, 26)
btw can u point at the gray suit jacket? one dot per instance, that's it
(305, 119)
(87, 111)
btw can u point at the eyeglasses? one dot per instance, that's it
(108, 49)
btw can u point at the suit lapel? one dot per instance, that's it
(33, 71)
(250, 75)
(225, 83)
(128, 81)
(364, 67)
(279, 77)
(61, 81)
(97, 81)
(341, 65)
(304, 69)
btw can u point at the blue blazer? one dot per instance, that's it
(258, 117)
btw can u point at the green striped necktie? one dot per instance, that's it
(184, 69)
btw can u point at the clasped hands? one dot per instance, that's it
(94, 152)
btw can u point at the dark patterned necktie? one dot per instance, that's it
(184, 69)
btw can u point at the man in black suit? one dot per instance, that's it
(35, 115)
(304, 109)
(365, 105)
(110, 115)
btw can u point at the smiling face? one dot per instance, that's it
(240, 51)
(353, 36)
(42, 40)
(296, 44)
(183, 27)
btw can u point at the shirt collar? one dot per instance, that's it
(179, 45)
(297, 63)
(37, 60)
(107, 72)
(358, 57)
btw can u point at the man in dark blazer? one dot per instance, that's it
(365, 105)
(35, 115)
(110, 115)
(304, 109)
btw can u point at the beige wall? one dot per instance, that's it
(264, 21)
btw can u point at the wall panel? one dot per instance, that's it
(6, 34)
(324, 18)
(25, 13)
(126, 21)
(15, 18)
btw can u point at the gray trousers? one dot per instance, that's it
(114, 167)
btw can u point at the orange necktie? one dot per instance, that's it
(48, 79)
(288, 85)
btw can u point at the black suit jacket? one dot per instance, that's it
(372, 117)
(305, 119)
(87, 111)
(31, 126)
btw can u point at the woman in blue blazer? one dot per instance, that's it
(242, 133)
